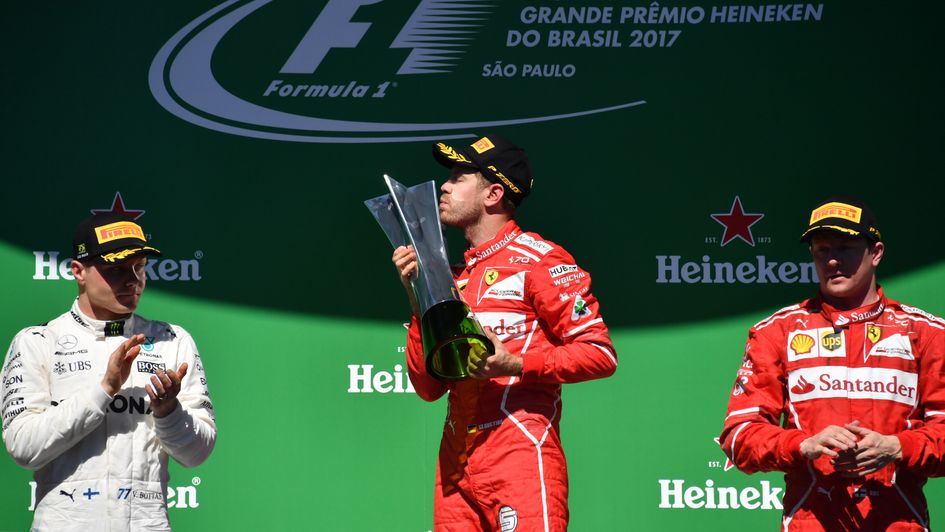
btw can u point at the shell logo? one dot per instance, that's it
(802, 344)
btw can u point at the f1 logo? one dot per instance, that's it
(332, 29)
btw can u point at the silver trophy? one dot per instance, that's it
(450, 331)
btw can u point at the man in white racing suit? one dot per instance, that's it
(96, 400)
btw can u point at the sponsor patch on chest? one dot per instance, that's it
(68, 341)
(61, 368)
(145, 366)
(504, 286)
(826, 382)
(505, 325)
(896, 345)
(813, 343)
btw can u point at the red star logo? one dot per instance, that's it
(118, 207)
(728, 461)
(737, 223)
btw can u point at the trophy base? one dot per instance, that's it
(450, 334)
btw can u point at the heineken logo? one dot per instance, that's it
(678, 494)
(354, 71)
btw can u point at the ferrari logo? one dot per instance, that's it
(873, 333)
(492, 276)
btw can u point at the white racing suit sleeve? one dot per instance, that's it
(35, 429)
(189, 432)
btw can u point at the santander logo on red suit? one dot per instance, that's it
(506, 325)
(802, 387)
(823, 382)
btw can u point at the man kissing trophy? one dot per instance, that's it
(450, 331)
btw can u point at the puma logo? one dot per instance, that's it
(827, 492)
(63, 492)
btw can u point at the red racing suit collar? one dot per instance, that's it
(501, 239)
(844, 318)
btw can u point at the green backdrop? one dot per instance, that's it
(249, 133)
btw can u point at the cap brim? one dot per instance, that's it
(449, 157)
(121, 255)
(835, 228)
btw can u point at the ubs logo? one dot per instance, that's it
(61, 368)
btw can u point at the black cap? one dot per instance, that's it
(110, 238)
(843, 214)
(496, 158)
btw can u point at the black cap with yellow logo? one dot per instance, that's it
(496, 158)
(110, 238)
(843, 214)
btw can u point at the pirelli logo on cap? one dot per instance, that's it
(836, 210)
(483, 145)
(118, 230)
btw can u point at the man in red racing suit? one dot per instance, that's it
(501, 465)
(859, 381)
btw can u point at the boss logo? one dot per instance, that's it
(149, 367)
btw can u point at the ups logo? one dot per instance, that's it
(831, 341)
